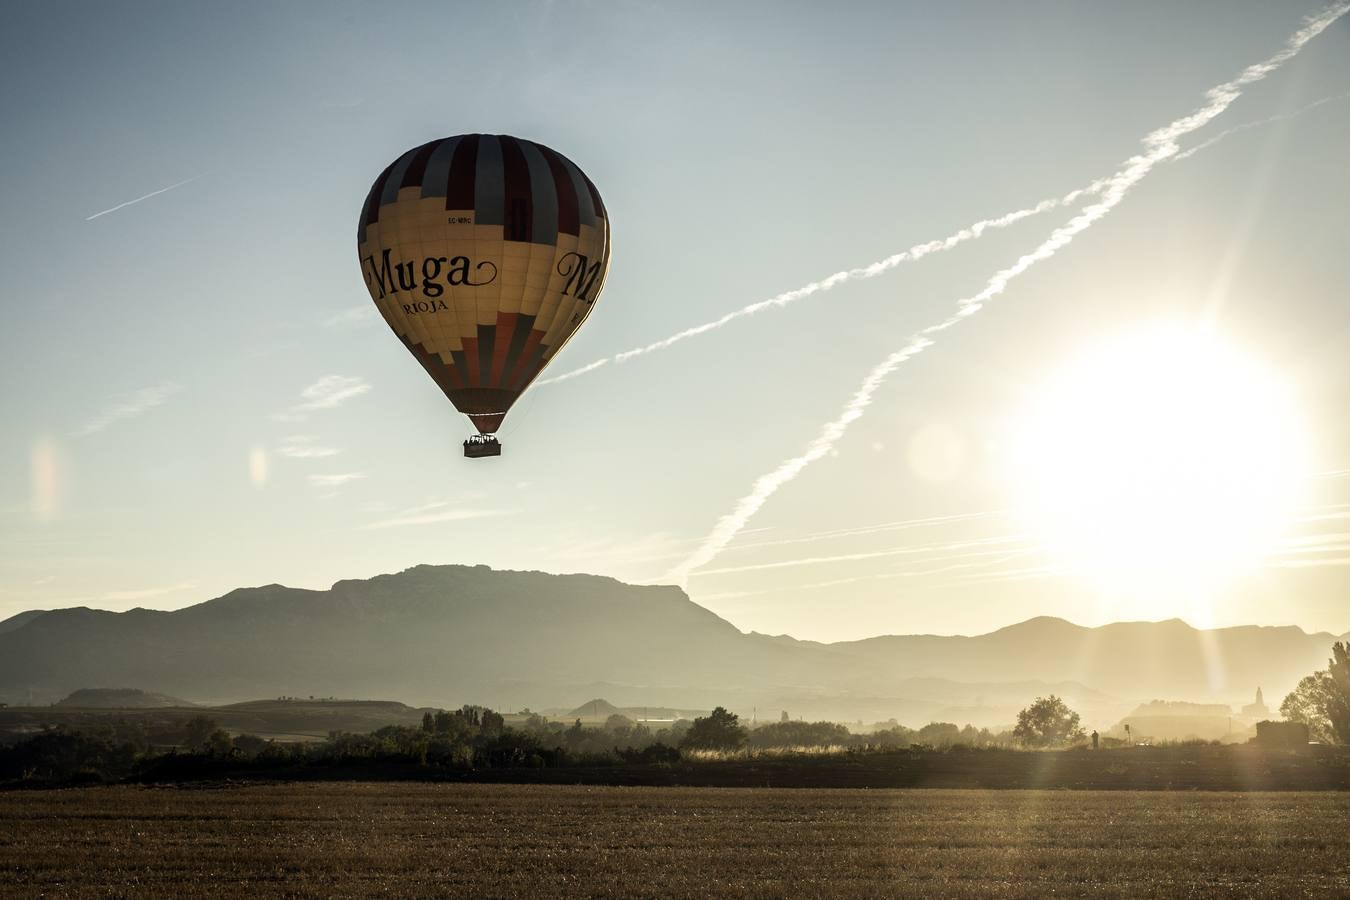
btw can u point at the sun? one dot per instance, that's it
(1159, 465)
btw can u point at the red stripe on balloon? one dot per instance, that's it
(459, 190)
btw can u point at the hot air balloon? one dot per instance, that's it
(484, 253)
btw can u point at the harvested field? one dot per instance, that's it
(514, 840)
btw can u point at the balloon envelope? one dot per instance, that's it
(484, 253)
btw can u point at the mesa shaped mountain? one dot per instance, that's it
(430, 634)
(119, 698)
(445, 635)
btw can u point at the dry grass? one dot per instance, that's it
(362, 839)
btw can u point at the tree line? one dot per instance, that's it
(474, 737)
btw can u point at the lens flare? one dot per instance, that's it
(46, 480)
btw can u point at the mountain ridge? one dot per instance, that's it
(443, 635)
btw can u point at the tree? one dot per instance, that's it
(198, 731)
(719, 730)
(1048, 722)
(1322, 700)
(428, 722)
(938, 734)
(250, 745)
(491, 723)
(219, 743)
(1307, 704)
(619, 722)
(1338, 703)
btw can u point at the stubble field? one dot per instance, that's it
(362, 839)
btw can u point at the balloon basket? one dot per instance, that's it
(482, 445)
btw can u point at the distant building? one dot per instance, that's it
(1257, 710)
(1282, 734)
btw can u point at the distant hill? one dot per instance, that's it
(19, 620)
(1179, 721)
(596, 709)
(119, 698)
(286, 720)
(447, 635)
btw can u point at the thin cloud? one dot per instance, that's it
(127, 406)
(834, 534)
(125, 596)
(328, 392)
(143, 593)
(434, 513)
(303, 446)
(995, 559)
(335, 480)
(1334, 562)
(871, 554)
(1033, 573)
(165, 190)
(347, 318)
(1159, 145)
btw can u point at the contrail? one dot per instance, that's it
(1247, 126)
(1159, 145)
(872, 554)
(146, 197)
(918, 251)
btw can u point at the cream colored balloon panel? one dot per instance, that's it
(571, 308)
(433, 235)
(515, 267)
(397, 263)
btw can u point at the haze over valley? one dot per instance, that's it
(443, 636)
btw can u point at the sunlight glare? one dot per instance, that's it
(1163, 463)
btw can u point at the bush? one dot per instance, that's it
(799, 734)
(719, 730)
(1048, 722)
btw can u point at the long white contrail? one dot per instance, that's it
(164, 190)
(918, 251)
(1247, 126)
(1159, 145)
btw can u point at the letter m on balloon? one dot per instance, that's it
(581, 275)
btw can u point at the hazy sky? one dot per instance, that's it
(197, 396)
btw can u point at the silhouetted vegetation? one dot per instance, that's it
(1048, 722)
(719, 730)
(475, 743)
(786, 733)
(1322, 700)
(468, 738)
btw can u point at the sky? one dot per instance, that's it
(198, 394)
